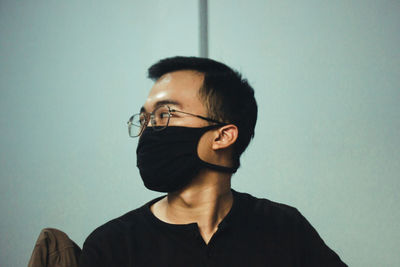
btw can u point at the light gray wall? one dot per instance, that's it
(327, 81)
(72, 72)
(326, 75)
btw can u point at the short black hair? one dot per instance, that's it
(227, 96)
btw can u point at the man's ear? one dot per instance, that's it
(225, 136)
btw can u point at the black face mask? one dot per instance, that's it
(168, 159)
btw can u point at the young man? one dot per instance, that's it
(199, 117)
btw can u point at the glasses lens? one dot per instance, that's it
(136, 124)
(160, 118)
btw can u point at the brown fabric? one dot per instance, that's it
(54, 248)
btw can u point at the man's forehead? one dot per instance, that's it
(166, 78)
(178, 88)
(169, 102)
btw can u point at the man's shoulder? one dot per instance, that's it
(265, 205)
(287, 226)
(119, 227)
(264, 209)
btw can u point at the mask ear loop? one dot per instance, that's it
(211, 165)
(218, 167)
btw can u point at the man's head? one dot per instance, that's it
(222, 93)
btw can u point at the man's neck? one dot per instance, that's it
(206, 201)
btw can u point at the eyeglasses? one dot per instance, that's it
(159, 119)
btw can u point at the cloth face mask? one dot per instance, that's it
(168, 159)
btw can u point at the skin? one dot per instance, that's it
(208, 198)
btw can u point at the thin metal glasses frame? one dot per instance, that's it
(150, 117)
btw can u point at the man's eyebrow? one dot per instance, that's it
(161, 103)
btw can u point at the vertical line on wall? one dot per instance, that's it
(203, 15)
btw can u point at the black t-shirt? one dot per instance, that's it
(255, 232)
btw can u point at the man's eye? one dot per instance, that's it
(164, 115)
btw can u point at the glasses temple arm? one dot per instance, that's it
(198, 116)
